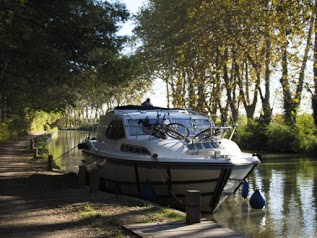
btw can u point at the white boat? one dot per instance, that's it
(159, 153)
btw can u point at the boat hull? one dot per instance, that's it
(164, 182)
(238, 175)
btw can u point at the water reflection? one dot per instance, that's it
(290, 191)
(64, 149)
(288, 185)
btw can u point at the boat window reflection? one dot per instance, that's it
(115, 131)
(194, 125)
(134, 128)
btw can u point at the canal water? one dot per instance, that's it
(288, 183)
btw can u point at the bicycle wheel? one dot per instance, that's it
(203, 134)
(147, 129)
(153, 131)
(177, 131)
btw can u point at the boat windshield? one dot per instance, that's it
(194, 125)
(135, 128)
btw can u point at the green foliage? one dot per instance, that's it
(18, 126)
(42, 121)
(280, 137)
(13, 127)
(216, 55)
(306, 133)
(47, 45)
(28, 122)
(42, 140)
(88, 212)
(4, 132)
(252, 135)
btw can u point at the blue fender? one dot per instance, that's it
(257, 201)
(245, 189)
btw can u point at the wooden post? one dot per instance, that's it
(35, 153)
(82, 175)
(32, 145)
(50, 163)
(94, 180)
(193, 206)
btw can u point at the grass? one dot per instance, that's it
(108, 217)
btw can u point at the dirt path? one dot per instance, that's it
(37, 203)
(29, 206)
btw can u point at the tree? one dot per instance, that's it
(46, 45)
(314, 92)
(205, 48)
(293, 18)
(199, 48)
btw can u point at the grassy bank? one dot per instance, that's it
(109, 217)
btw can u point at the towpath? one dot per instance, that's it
(38, 203)
(32, 202)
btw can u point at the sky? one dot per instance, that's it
(133, 7)
(157, 93)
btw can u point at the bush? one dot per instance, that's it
(18, 125)
(252, 135)
(42, 121)
(281, 138)
(4, 132)
(12, 128)
(278, 136)
(306, 133)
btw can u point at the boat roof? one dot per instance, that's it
(146, 108)
(132, 109)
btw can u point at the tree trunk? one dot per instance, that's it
(267, 110)
(244, 95)
(314, 92)
(230, 87)
(287, 97)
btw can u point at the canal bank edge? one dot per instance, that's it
(56, 207)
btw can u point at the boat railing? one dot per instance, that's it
(160, 131)
(140, 109)
(214, 133)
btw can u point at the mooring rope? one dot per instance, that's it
(65, 153)
(159, 169)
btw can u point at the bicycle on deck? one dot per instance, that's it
(159, 129)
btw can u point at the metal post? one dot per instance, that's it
(193, 207)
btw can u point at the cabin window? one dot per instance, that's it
(202, 123)
(115, 130)
(134, 128)
(135, 149)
